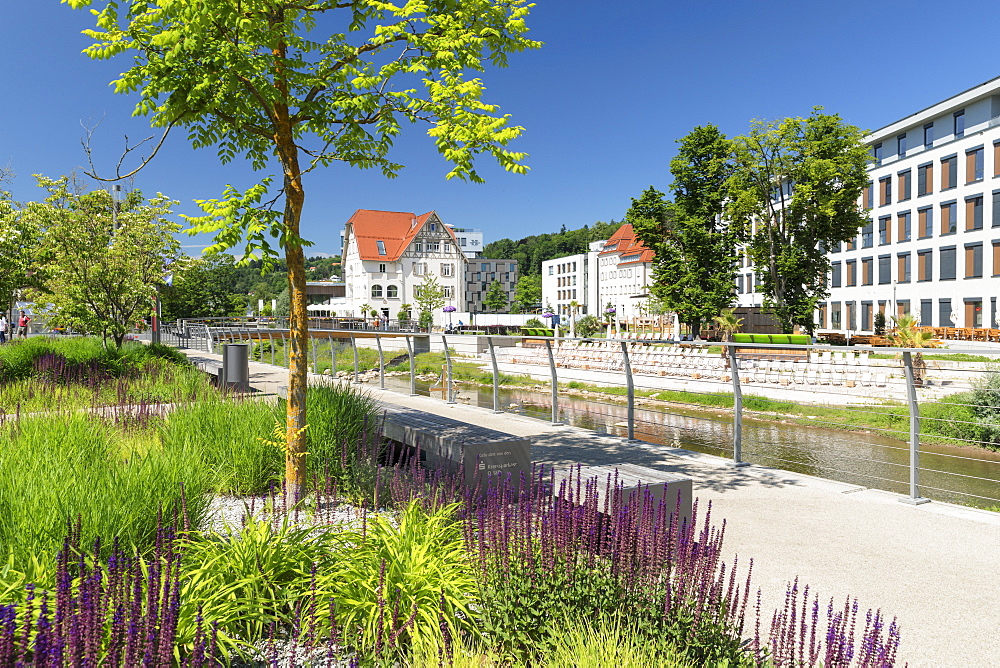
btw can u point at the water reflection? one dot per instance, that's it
(969, 476)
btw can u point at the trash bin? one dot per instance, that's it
(236, 366)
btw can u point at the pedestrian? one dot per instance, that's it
(22, 325)
(4, 327)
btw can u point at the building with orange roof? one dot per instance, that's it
(625, 272)
(388, 254)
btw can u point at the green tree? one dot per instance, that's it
(101, 269)
(496, 298)
(795, 193)
(729, 323)
(694, 267)
(201, 288)
(527, 293)
(429, 296)
(262, 80)
(19, 238)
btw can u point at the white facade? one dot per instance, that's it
(574, 277)
(386, 259)
(933, 245)
(625, 272)
(469, 240)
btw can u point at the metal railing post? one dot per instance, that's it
(555, 384)
(284, 349)
(209, 344)
(413, 368)
(270, 340)
(333, 357)
(354, 347)
(629, 393)
(312, 341)
(911, 396)
(734, 369)
(381, 363)
(496, 376)
(447, 358)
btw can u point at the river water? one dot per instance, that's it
(965, 475)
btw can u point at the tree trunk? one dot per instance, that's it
(295, 421)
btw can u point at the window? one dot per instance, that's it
(419, 268)
(434, 227)
(866, 316)
(973, 213)
(900, 149)
(959, 124)
(902, 307)
(448, 291)
(376, 291)
(974, 165)
(944, 313)
(462, 241)
(925, 223)
(835, 315)
(949, 172)
(552, 269)
(835, 275)
(925, 179)
(821, 316)
(903, 185)
(948, 254)
(852, 243)
(867, 276)
(381, 247)
(739, 284)
(949, 224)
(381, 268)
(884, 191)
(926, 312)
(866, 235)
(434, 246)
(852, 316)
(884, 269)
(996, 258)
(447, 269)
(877, 153)
(903, 267)
(884, 231)
(418, 246)
(996, 208)
(392, 292)
(973, 312)
(928, 135)
(925, 265)
(902, 226)
(974, 261)
(866, 195)
(852, 273)
(996, 159)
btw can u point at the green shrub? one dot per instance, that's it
(534, 322)
(229, 439)
(243, 583)
(416, 567)
(952, 417)
(588, 325)
(337, 416)
(61, 468)
(603, 642)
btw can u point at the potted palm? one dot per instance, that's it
(728, 323)
(909, 335)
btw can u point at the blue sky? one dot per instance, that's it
(603, 102)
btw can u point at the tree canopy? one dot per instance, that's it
(795, 192)
(305, 85)
(530, 252)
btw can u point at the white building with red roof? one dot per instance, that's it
(387, 254)
(625, 272)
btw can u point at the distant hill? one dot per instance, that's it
(531, 251)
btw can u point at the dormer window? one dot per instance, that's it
(381, 247)
(434, 227)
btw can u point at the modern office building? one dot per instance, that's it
(469, 240)
(932, 246)
(572, 278)
(479, 276)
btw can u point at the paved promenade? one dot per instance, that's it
(932, 566)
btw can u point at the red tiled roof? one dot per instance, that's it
(395, 229)
(625, 242)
